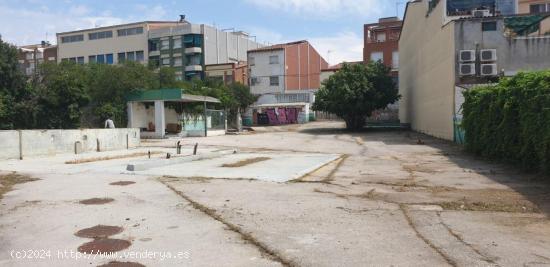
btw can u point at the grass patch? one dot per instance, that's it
(245, 162)
(133, 155)
(8, 181)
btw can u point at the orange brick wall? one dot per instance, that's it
(304, 66)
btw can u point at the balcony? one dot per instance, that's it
(193, 50)
(391, 37)
(193, 68)
(154, 53)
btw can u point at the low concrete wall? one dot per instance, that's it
(28, 143)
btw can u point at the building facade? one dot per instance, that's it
(382, 42)
(189, 48)
(228, 73)
(109, 45)
(285, 68)
(533, 6)
(441, 56)
(31, 56)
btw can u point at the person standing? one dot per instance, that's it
(109, 123)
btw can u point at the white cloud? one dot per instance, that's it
(22, 25)
(346, 46)
(326, 8)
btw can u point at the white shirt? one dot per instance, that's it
(109, 124)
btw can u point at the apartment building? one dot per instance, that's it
(109, 45)
(533, 6)
(382, 42)
(285, 68)
(31, 56)
(228, 73)
(189, 48)
(443, 54)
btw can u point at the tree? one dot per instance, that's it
(355, 91)
(12, 84)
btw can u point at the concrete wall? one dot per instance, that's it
(262, 70)
(426, 71)
(51, 142)
(513, 54)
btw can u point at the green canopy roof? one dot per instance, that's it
(524, 25)
(176, 95)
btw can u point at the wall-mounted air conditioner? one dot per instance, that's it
(481, 13)
(488, 55)
(467, 55)
(467, 69)
(489, 70)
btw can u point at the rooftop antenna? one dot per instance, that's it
(182, 18)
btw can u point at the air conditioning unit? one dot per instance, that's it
(489, 70)
(467, 69)
(481, 13)
(488, 55)
(467, 55)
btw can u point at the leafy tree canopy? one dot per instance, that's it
(355, 91)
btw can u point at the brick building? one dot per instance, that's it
(30, 56)
(382, 42)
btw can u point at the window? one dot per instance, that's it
(100, 35)
(194, 60)
(166, 61)
(72, 38)
(109, 59)
(73, 59)
(251, 61)
(177, 43)
(273, 59)
(377, 56)
(121, 57)
(395, 60)
(80, 60)
(92, 59)
(139, 56)
(489, 26)
(178, 61)
(539, 8)
(274, 81)
(100, 59)
(165, 44)
(131, 56)
(254, 81)
(153, 45)
(130, 31)
(381, 37)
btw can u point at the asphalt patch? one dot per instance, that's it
(96, 201)
(104, 246)
(122, 264)
(99, 231)
(123, 183)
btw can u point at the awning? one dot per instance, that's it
(174, 95)
(524, 25)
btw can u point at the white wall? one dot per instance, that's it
(263, 70)
(51, 142)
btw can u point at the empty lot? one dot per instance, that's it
(388, 198)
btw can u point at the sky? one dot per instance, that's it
(334, 27)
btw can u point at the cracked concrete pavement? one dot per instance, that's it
(388, 201)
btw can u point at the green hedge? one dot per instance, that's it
(510, 121)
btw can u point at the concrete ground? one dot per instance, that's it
(389, 199)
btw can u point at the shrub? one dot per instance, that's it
(510, 121)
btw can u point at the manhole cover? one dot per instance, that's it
(122, 264)
(104, 245)
(99, 231)
(96, 201)
(123, 183)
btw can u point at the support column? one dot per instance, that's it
(160, 122)
(130, 112)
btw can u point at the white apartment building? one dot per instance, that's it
(109, 45)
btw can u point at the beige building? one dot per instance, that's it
(442, 54)
(110, 45)
(533, 6)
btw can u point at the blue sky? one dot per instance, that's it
(330, 25)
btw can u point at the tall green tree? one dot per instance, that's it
(355, 91)
(12, 84)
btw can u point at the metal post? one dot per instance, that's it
(195, 149)
(205, 121)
